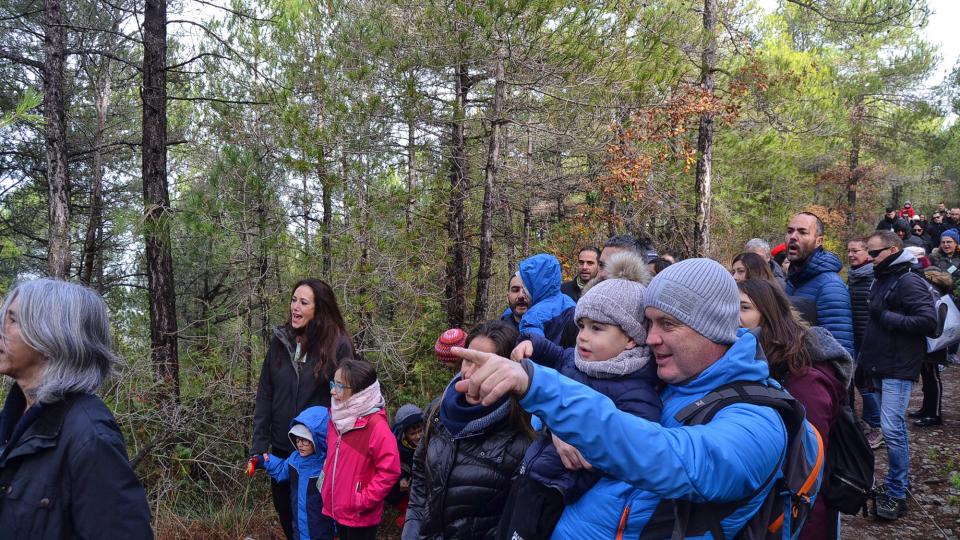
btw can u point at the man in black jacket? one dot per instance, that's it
(902, 314)
(587, 268)
(889, 219)
(859, 281)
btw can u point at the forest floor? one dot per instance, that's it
(933, 507)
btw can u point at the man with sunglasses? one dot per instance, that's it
(902, 314)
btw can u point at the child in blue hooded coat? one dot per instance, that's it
(303, 469)
(549, 310)
(612, 358)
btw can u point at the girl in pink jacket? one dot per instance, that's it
(363, 462)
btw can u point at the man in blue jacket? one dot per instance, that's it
(813, 275)
(693, 313)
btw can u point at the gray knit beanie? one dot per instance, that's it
(701, 294)
(616, 301)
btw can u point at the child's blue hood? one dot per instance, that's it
(541, 276)
(316, 419)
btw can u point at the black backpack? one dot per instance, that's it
(848, 474)
(787, 505)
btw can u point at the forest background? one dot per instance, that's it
(192, 160)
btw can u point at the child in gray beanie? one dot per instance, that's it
(612, 358)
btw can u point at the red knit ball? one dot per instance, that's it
(453, 337)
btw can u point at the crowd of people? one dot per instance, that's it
(566, 417)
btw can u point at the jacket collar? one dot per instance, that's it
(901, 263)
(819, 262)
(44, 431)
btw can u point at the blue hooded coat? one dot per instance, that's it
(304, 473)
(724, 460)
(545, 317)
(817, 279)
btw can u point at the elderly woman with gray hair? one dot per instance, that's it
(64, 471)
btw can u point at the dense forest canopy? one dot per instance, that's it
(191, 160)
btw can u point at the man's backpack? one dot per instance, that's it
(789, 502)
(848, 473)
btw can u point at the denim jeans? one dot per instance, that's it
(894, 398)
(871, 408)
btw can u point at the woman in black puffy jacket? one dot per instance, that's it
(463, 468)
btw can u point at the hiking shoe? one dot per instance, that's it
(916, 414)
(889, 508)
(928, 421)
(875, 438)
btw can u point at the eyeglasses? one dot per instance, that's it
(918, 229)
(337, 387)
(874, 253)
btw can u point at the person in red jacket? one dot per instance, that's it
(809, 363)
(363, 462)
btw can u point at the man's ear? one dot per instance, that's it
(819, 241)
(630, 344)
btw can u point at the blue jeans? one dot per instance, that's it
(894, 398)
(871, 408)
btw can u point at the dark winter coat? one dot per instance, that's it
(67, 475)
(507, 317)
(859, 281)
(945, 263)
(286, 388)
(635, 393)
(571, 289)
(886, 224)
(817, 279)
(922, 240)
(460, 483)
(902, 314)
(777, 273)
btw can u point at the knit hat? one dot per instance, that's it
(407, 415)
(616, 301)
(453, 337)
(300, 430)
(701, 294)
(951, 233)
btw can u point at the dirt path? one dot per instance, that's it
(933, 511)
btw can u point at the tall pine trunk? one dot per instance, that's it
(489, 185)
(456, 278)
(856, 137)
(54, 113)
(704, 174)
(326, 244)
(94, 225)
(156, 198)
(411, 169)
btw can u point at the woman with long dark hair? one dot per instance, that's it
(300, 362)
(469, 455)
(749, 265)
(808, 362)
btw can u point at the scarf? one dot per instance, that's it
(863, 271)
(461, 418)
(625, 363)
(365, 402)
